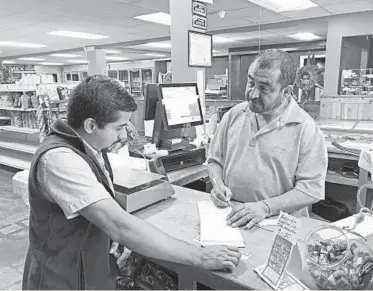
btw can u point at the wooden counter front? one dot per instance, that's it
(178, 216)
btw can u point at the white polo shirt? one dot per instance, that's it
(289, 152)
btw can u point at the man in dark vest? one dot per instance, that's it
(74, 215)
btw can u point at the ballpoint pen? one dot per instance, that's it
(227, 199)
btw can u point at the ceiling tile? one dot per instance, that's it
(215, 22)
(158, 5)
(349, 7)
(307, 13)
(261, 15)
(231, 4)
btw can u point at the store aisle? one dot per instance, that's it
(13, 234)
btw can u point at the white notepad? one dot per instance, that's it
(213, 227)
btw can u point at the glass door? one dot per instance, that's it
(146, 77)
(123, 77)
(135, 80)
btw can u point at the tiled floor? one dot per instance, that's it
(13, 234)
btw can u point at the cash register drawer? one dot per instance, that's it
(183, 160)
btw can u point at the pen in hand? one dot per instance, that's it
(227, 200)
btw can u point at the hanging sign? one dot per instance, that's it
(199, 8)
(199, 22)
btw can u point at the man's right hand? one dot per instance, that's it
(220, 195)
(220, 257)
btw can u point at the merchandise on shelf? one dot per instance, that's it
(357, 82)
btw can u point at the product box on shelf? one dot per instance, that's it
(357, 82)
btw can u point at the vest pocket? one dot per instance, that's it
(81, 275)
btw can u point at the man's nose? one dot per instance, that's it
(254, 93)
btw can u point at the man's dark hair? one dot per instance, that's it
(272, 58)
(98, 97)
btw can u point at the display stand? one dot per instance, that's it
(165, 139)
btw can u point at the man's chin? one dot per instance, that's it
(255, 107)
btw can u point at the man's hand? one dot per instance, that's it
(220, 257)
(220, 195)
(248, 214)
(121, 257)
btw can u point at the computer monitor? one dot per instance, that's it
(181, 105)
(150, 99)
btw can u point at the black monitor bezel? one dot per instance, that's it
(163, 111)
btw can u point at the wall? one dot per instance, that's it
(50, 70)
(338, 27)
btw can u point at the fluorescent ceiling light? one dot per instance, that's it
(221, 39)
(215, 51)
(154, 55)
(9, 62)
(50, 64)
(159, 17)
(76, 34)
(78, 61)
(284, 5)
(65, 55)
(159, 44)
(116, 58)
(21, 44)
(32, 59)
(305, 36)
(113, 52)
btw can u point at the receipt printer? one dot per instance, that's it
(136, 189)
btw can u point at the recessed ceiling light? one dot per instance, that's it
(32, 59)
(159, 44)
(116, 58)
(159, 17)
(76, 34)
(284, 5)
(305, 36)
(50, 64)
(65, 55)
(21, 44)
(113, 52)
(78, 61)
(154, 55)
(9, 62)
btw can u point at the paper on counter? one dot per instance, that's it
(213, 226)
(364, 228)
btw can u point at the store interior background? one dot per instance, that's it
(138, 51)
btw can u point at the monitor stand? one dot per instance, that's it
(171, 140)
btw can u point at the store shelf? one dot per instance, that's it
(20, 146)
(18, 109)
(336, 178)
(14, 162)
(19, 129)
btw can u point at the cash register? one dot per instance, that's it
(176, 110)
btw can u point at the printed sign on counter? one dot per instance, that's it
(274, 271)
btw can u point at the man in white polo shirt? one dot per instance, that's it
(268, 152)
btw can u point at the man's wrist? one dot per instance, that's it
(267, 209)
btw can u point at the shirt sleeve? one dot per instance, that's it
(69, 181)
(313, 163)
(217, 148)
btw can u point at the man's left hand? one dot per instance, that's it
(247, 214)
(121, 257)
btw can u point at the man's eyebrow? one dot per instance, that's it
(261, 82)
(121, 125)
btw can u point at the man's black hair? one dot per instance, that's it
(100, 98)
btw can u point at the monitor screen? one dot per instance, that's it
(182, 105)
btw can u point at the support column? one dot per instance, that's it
(181, 22)
(96, 62)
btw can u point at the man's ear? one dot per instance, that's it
(89, 125)
(288, 90)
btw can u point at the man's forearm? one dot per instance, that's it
(290, 201)
(215, 170)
